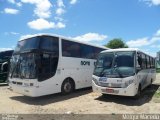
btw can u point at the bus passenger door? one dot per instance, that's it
(141, 70)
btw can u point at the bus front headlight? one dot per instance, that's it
(127, 83)
(95, 81)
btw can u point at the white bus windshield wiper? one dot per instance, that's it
(18, 62)
(118, 71)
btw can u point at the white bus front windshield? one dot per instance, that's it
(28, 44)
(35, 58)
(23, 66)
(115, 65)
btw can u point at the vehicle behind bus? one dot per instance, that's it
(48, 64)
(4, 64)
(123, 72)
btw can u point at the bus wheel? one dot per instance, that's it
(137, 96)
(67, 86)
(150, 85)
(151, 81)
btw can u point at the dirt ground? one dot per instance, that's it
(80, 102)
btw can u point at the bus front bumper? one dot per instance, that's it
(131, 90)
(27, 91)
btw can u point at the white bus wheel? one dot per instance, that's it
(67, 86)
(139, 92)
(151, 81)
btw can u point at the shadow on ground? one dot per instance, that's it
(44, 100)
(146, 96)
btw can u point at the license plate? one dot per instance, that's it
(109, 90)
(103, 79)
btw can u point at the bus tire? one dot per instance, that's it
(137, 96)
(151, 81)
(68, 86)
(150, 85)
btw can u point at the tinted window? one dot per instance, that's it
(47, 66)
(153, 63)
(71, 49)
(28, 44)
(122, 57)
(143, 61)
(139, 60)
(87, 52)
(97, 51)
(49, 44)
(148, 62)
(6, 54)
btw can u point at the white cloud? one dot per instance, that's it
(4, 49)
(91, 37)
(145, 41)
(11, 11)
(153, 2)
(60, 25)
(60, 11)
(138, 42)
(42, 9)
(19, 4)
(14, 33)
(12, 1)
(157, 33)
(73, 1)
(58, 19)
(41, 24)
(11, 33)
(60, 3)
(26, 36)
(149, 43)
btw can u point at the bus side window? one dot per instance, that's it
(139, 60)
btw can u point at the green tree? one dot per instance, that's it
(116, 43)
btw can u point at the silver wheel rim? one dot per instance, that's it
(67, 87)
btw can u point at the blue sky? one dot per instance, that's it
(137, 22)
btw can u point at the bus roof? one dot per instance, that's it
(121, 49)
(62, 37)
(2, 51)
(124, 49)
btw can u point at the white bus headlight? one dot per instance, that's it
(127, 83)
(26, 84)
(95, 81)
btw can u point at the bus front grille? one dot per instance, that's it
(18, 83)
(111, 85)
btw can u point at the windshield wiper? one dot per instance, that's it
(102, 73)
(118, 71)
(15, 68)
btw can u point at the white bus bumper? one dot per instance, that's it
(27, 91)
(131, 90)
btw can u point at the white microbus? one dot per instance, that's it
(45, 64)
(123, 72)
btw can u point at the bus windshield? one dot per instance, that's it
(28, 44)
(40, 63)
(23, 66)
(2, 56)
(115, 64)
(5, 55)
